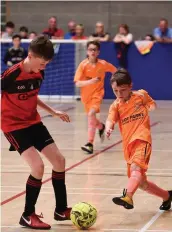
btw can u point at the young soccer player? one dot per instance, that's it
(90, 78)
(23, 128)
(130, 110)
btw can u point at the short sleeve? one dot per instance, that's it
(130, 37)
(8, 77)
(147, 100)
(110, 68)
(79, 73)
(157, 33)
(170, 33)
(113, 114)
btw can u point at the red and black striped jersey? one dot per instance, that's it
(19, 98)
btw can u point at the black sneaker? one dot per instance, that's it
(166, 205)
(102, 133)
(88, 148)
(124, 200)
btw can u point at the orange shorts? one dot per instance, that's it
(94, 103)
(139, 153)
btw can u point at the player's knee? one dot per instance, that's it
(135, 167)
(62, 161)
(38, 170)
(59, 163)
(143, 185)
(91, 113)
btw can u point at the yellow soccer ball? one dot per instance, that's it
(83, 215)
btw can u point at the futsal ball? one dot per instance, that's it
(83, 215)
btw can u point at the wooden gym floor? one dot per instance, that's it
(94, 178)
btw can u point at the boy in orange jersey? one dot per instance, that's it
(90, 77)
(130, 110)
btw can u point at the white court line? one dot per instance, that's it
(116, 150)
(61, 228)
(152, 220)
(86, 168)
(103, 229)
(90, 168)
(67, 188)
(80, 193)
(162, 174)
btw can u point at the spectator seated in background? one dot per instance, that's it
(79, 32)
(53, 31)
(71, 30)
(32, 35)
(24, 32)
(149, 37)
(9, 30)
(100, 34)
(16, 53)
(122, 41)
(163, 33)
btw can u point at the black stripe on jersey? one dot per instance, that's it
(24, 86)
(42, 73)
(8, 79)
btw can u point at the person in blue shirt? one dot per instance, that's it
(71, 30)
(163, 33)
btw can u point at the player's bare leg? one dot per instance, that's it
(137, 180)
(93, 124)
(52, 153)
(33, 186)
(153, 189)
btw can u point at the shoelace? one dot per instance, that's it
(39, 216)
(124, 192)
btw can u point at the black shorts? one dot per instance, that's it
(36, 135)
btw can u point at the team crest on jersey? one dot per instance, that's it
(99, 71)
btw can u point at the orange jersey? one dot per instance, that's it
(87, 71)
(133, 117)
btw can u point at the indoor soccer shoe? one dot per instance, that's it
(102, 133)
(166, 205)
(88, 148)
(62, 216)
(124, 201)
(34, 222)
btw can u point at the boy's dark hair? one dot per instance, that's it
(121, 77)
(10, 24)
(16, 36)
(151, 37)
(96, 43)
(33, 32)
(42, 47)
(24, 29)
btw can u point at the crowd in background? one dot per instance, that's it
(162, 33)
(122, 39)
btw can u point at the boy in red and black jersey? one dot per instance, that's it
(22, 126)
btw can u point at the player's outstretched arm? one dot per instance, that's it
(148, 101)
(62, 115)
(109, 128)
(87, 82)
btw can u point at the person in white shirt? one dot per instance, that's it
(122, 40)
(9, 30)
